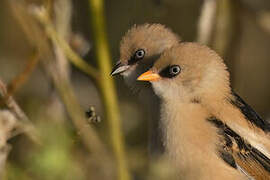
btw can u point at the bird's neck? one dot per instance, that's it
(187, 134)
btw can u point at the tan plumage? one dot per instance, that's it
(209, 131)
(151, 40)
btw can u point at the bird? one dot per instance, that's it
(209, 131)
(140, 47)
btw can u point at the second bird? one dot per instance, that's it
(140, 47)
(209, 131)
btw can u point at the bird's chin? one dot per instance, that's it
(130, 78)
(158, 88)
(126, 73)
(164, 89)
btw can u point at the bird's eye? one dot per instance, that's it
(139, 54)
(170, 71)
(175, 69)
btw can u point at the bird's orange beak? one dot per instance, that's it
(149, 76)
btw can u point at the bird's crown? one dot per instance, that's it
(152, 38)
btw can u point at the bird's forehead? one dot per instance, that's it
(186, 54)
(168, 58)
(128, 47)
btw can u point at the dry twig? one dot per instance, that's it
(7, 124)
(21, 78)
(24, 125)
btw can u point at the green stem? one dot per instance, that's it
(73, 57)
(223, 31)
(107, 86)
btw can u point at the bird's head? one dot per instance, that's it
(141, 46)
(189, 71)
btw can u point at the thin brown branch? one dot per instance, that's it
(21, 78)
(24, 125)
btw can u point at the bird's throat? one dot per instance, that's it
(187, 135)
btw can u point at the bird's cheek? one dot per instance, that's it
(129, 71)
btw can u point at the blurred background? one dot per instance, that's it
(53, 68)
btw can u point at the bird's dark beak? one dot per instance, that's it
(119, 68)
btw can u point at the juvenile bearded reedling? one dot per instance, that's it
(140, 47)
(209, 131)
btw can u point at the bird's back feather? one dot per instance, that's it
(249, 113)
(236, 151)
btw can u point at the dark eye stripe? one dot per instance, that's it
(169, 71)
(132, 60)
(135, 57)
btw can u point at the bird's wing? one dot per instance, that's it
(240, 154)
(249, 113)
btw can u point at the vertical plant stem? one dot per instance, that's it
(206, 21)
(223, 31)
(227, 33)
(107, 86)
